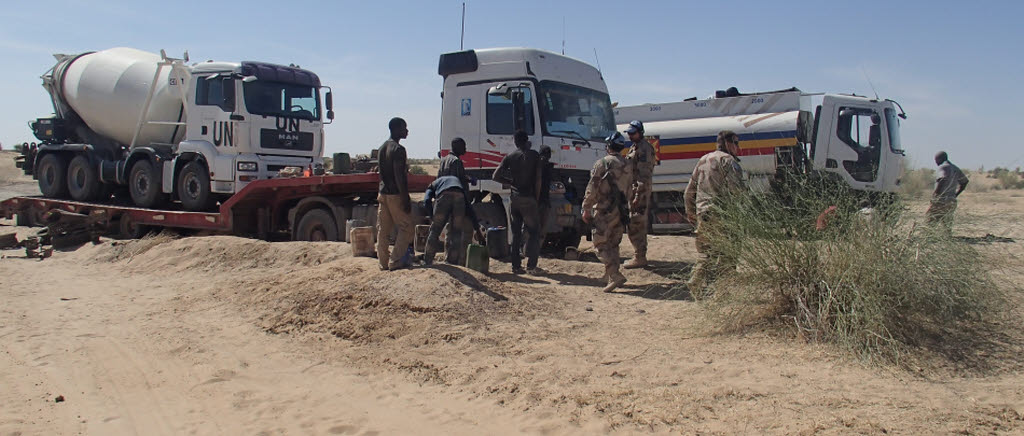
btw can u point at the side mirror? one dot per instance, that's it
(499, 90)
(330, 114)
(329, 97)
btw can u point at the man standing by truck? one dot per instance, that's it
(521, 170)
(452, 165)
(604, 207)
(948, 186)
(716, 176)
(642, 158)
(395, 205)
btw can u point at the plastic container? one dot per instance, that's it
(497, 242)
(351, 224)
(420, 243)
(477, 258)
(362, 241)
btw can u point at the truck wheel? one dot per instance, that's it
(316, 225)
(52, 173)
(144, 185)
(194, 187)
(128, 229)
(83, 181)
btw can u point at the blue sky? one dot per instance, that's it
(954, 66)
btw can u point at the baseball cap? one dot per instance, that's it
(635, 126)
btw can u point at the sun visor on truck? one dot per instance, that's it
(280, 73)
(457, 62)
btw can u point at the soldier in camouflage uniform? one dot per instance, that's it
(643, 159)
(717, 175)
(604, 207)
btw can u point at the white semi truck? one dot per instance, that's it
(560, 102)
(171, 131)
(853, 138)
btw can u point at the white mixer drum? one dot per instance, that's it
(108, 90)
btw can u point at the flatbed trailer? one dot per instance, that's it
(312, 208)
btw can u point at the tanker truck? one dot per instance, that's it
(851, 138)
(166, 131)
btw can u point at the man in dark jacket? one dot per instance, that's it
(448, 203)
(521, 170)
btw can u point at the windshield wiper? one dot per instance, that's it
(574, 133)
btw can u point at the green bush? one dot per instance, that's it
(417, 170)
(870, 281)
(1009, 180)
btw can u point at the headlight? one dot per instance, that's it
(247, 166)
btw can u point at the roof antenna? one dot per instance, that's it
(598, 60)
(462, 38)
(869, 82)
(563, 35)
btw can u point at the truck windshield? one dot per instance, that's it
(892, 123)
(567, 110)
(282, 100)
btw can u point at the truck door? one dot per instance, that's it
(854, 142)
(510, 107)
(211, 120)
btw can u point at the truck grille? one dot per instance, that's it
(284, 140)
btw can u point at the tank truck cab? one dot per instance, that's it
(245, 122)
(558, 101)
(858, 139)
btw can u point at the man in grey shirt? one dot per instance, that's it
(949, 183)
(395, 207)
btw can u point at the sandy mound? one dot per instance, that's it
(297, 286)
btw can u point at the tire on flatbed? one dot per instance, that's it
(194, 187)
(52, 174)
(144, 184)
(316, 225)
(83, 180)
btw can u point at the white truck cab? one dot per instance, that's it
(560, 102)
(247, 121)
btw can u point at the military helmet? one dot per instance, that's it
(616, 141)
(635, 126)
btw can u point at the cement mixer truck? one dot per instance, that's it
(167, 131)
(852, 138)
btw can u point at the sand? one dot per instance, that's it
(224, 335)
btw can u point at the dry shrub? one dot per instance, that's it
(870, 281)
(917, 182)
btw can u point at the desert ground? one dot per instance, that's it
(224, 335)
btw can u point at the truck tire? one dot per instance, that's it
(128, 229)
(194, 187)
(144, 185)
(83, 180)
(316, 225)
(52, 174)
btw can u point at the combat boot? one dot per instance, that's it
(615, 283)
(637, 262)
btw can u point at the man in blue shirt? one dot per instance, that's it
(448, 202)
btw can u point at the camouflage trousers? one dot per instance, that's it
(638, 217)
(712, 262)
(941, 213)
(607, 235)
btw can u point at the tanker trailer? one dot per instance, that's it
(163, 130)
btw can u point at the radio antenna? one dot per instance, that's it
(598, 60)
(563, 35)
(869, 82)
(462, 38)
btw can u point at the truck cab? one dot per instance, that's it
(558, 101)
(246, 121)
(858, 139)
